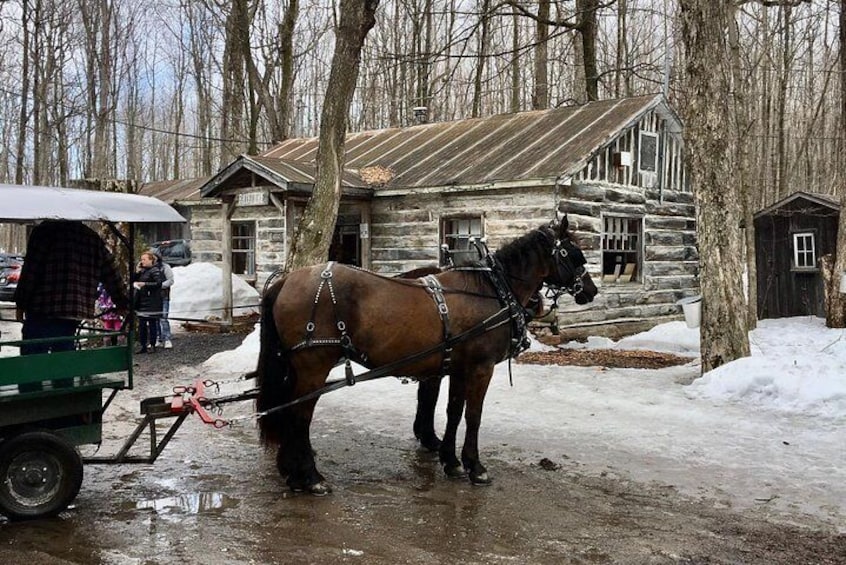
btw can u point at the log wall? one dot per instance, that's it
(406, 235)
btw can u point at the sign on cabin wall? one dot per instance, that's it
(254, 198)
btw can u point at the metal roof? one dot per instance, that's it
(28, 203)
(528, 146)
(289, 174)
(825, 200)
(172, 191)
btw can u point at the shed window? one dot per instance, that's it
(244, 248)
(621, 242)
(804, 251)
(648, 155)
(456, 236)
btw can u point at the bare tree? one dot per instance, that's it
(540, 91)
(199, 38)
(233, 97)
(621, 84)
(314, 233)
(742, 129)
(20, 157)
(586, 25)
(481, 58)
(724, 334)
(836, 311)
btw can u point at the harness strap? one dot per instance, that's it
(434, 288)
(344, 341)
(517, 313)
(501, 317)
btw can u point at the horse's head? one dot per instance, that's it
(568, 265)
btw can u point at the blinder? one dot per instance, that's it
(570, 264)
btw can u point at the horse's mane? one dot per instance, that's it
(528, 248)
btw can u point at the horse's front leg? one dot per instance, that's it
(477, 387)
(455, 408)
(424, 421)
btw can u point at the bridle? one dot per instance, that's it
(562, 251)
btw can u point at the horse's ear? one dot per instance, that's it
(561, 223)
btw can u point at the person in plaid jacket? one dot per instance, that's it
(57, 288)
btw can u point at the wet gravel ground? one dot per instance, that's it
(189, 349)
(214, 497)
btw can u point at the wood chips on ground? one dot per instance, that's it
(613, 358)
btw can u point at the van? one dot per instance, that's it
(174, 252)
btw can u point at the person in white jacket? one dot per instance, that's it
(164, 323)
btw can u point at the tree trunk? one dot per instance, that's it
(481, 58)
(423, 55)
(784, 78)
(204, 99)
(23, 124)
(622, 50)
(276, 107)
(742, 129)
(836, 310)
(724, 334)
(102, 117)
(540, 92)
(232, 101)
(286, 60)
(587, 27)
(514, 103)
(316, 227)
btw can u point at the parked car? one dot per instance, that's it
(174, 252)
(10, 271)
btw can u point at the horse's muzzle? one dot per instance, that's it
(582, 298)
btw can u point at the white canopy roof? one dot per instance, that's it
(27, 203)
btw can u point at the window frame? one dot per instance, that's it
(248, 252)
(805, 235)
(624, 252)
(457, 236)
(657, 139)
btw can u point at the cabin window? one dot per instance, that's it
(647, 161)
(621, 243)
(244, 248)
(804, 251)
(457, 232)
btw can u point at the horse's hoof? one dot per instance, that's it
(433, 444)
(319, 489)
(482, 479)
(454, 471)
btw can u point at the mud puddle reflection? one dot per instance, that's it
(194, 503)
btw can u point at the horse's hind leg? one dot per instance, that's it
(296, 455)
(455, 407)
(477, 387)
(302, 469)
(424, 421)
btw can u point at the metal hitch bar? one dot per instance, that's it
(186, 400)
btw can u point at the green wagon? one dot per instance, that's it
(52, 403)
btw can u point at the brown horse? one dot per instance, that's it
(460, 322)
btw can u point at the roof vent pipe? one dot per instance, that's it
(421, 114)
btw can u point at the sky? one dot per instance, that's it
(764, 434)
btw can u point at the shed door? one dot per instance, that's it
(346, 242)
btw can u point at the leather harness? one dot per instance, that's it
(511, 311)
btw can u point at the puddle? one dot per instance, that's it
(194, 503)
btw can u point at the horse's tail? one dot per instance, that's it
(273, 373)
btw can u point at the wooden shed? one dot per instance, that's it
(614, 166)
(790, 237)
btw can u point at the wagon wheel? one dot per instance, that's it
(40, 475)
